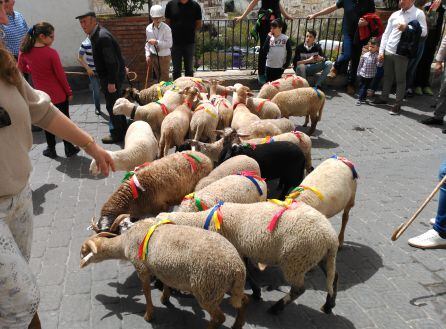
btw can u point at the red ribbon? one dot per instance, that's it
(259, 107)
(188, 103)
(273, 223)
(234, 106)
(133, 188)
(251, 173)
(191, 161)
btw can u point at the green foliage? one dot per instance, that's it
(126, 7)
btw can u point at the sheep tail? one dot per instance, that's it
(319, 116)
(199, 132)
(238, 288)
(331, 267)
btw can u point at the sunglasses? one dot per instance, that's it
(5, 120)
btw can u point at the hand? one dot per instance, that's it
(127, 70)
(381, 58)
(152, 42)
(237, 19)
(402, 27)
(102, 158)
(438, 68)
(111, 87)
(90, 72)
(435, 5)
(362, 22)
(312, 16)
(70, 98)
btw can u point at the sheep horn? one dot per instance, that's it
(92, 246)
(118, 221)
(94, 225)
(106, 235)
(85, 260)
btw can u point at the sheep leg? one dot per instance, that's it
(294, 293)
(330, 301)
(307, 119)
(345, 217)
(35, 322)
(217, 316)
(256, 292)
(144, 276)
(314, 120)
(241, 314)
(166, 295)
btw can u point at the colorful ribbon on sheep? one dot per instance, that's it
(260, 106)
(201, 206)
(317, 92)
(349, 164)
(143, 249)
(249, 145)
(267, 140)
(295, 192)
(298, 134)
(253, 177)
(216, 216)
(216, 101)
(193, 160)
(206, 109)
(199, 83)
(295, 79)
(287, 204)
(133, 180)
(163, 107)
(275, 84)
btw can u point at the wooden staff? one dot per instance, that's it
(403, 227)
(76, 73)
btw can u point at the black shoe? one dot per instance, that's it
(444, 131)
(35, 128)
(396, 109)
(97, 111)
(110, 140)
(72, 151)
(50, 153)
(432, 121)
(379, 101)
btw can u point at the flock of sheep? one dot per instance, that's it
(226, 151)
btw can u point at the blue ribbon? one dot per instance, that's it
(317, 92)
(209, 217)
(352, 167)
(252, 179)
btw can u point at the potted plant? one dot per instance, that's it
(128, 25)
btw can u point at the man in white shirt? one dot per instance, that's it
(395, 66)
(159, 42)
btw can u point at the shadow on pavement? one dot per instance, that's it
(39, 197)
(323, 143)
(75, 167)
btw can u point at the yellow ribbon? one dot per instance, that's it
(143, 248)
(296, 193)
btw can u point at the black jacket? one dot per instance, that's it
(107, 56)
(410, 38)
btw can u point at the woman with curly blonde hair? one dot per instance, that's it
(21, 105)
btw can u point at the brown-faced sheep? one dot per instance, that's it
(148, 95)
(175, 256)
(263, 108)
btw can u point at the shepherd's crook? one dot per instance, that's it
(403, 227)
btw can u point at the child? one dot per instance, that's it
(38, 58)
(159, 42)
(367, 69)
(278, 49)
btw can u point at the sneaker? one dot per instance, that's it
(428, 91)
(418, 91)
(50, 153)
(429, 240)
(432, 121)
(350, 90)
(333, 73)
(97, 111)
(396, 109)
(409, 92)
(72, 151)
(432, 221)
(358, 103)
(261, 79)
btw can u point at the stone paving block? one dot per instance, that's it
(49, 320)
(349, 309)
(54, 256)
(75, 308)
(386, 318)
(401, 305)
(105, 292)
(50, 298)
(107, 270)
(78, 283)
(107, 316)
(365, 296)
(51, 275)
(419, 273)
(59, 238)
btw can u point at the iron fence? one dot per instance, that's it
(221, 44)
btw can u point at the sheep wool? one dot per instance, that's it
(263, 108)
(270, 89)
(204, 122)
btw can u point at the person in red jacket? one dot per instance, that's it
(38, 58)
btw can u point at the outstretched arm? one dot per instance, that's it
(284, 12)
(251, 5)
(325, 11)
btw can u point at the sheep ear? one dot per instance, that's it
(92, 246)
(250, 94)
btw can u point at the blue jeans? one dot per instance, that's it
(413, 64)
(363, 86)
(305, 70)
(377, 79)
(440, 220)
(95, 88)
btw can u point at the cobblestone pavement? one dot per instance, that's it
(383, 284)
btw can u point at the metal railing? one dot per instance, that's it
(221, 44)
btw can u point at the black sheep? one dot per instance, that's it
(282, 160)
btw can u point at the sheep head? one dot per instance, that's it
(123, 107)
(191, 95)
(132, 94)
(94, 249)
(230, 137)
(242, 93)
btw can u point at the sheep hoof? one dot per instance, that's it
(326, 309)
(148, 316)
(256, 295)
(277, 307)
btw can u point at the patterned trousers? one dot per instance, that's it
(19, 294)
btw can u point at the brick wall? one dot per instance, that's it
(131, 35)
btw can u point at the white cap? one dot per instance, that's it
(156, 11)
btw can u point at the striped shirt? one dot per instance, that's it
(86, 52)
(14, 31)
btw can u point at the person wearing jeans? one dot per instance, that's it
(85, 58)
(309, 59)
(184, 18)
(435, 237)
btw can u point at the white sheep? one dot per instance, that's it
(155, 187)
(247, 187)
(294, 237)
(185, 258)
(284, 124)
(140, 146)
(270, 89)
(152, 113)
(242, 117)
(229, 167)
(263, 108)
(216, 88)
(204, 122)
(330, 188)
(299, 138)
(259, 129)
(224, 109)
(148, 95)
(308, 102)
(175, 126)
(201, 84)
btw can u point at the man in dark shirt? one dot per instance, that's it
(351, 46)
(184, 18)
(110, 69)
(309, 59)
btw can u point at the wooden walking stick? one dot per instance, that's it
(147, 75)
(403, 227)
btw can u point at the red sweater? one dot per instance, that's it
(47, 72)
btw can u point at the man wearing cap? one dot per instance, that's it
(158, 44)
(110, 69)
(15, 29)
(184, 18)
